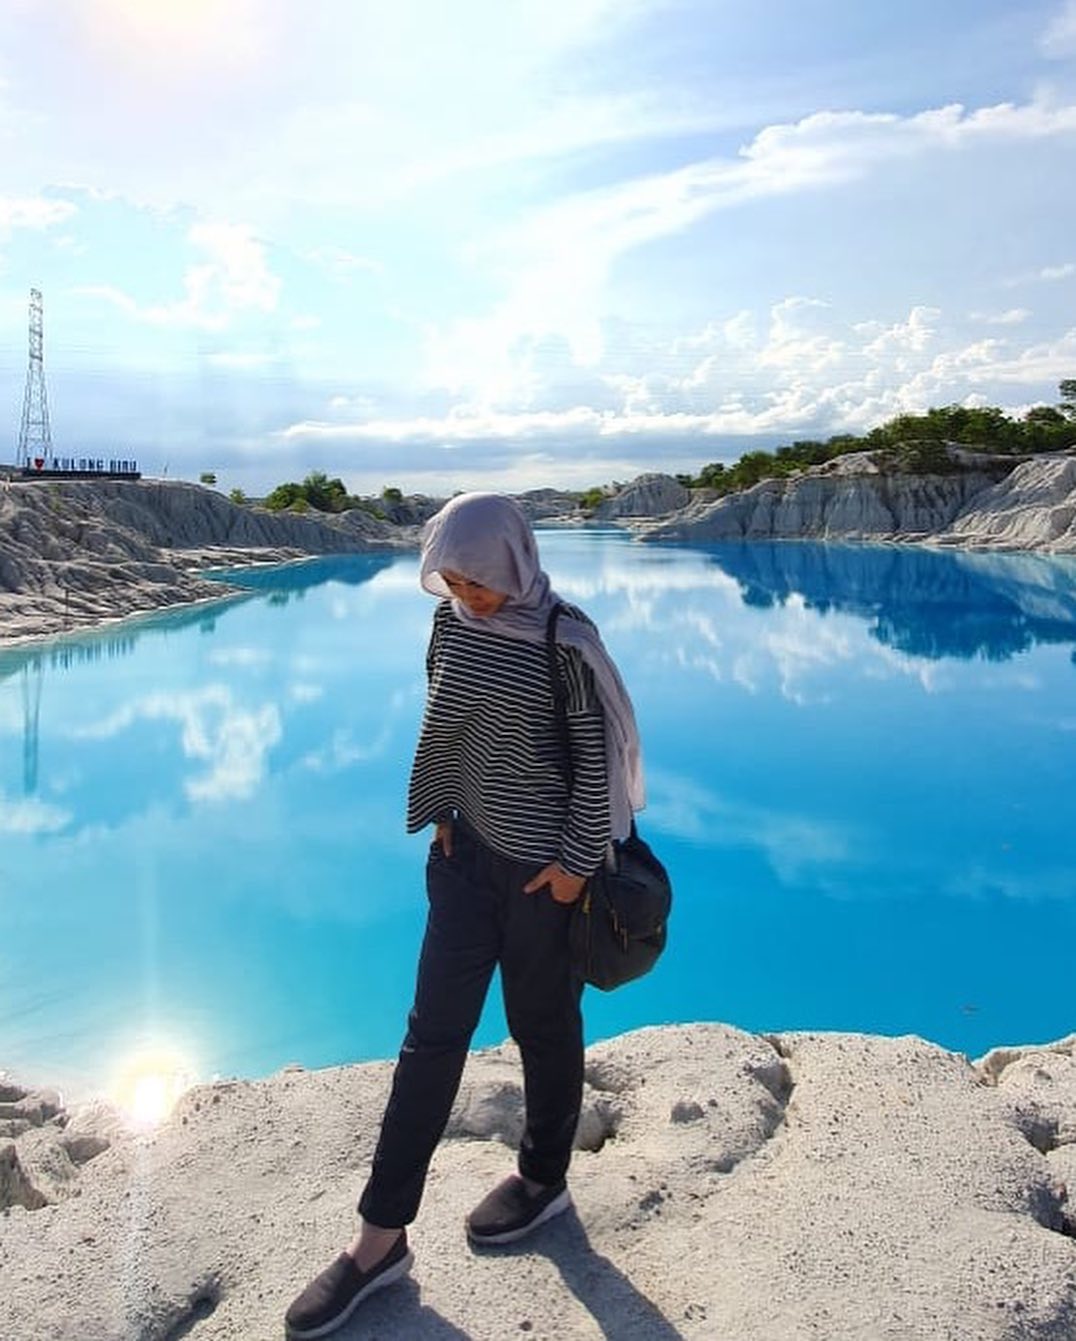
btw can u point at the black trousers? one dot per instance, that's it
(478, 918)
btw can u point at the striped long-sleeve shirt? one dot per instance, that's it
(490, 749)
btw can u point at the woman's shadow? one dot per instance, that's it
(622, 1312)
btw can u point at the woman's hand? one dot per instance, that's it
(443, 835)
(564, 886)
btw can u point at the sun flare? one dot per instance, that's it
(159, 22)
(175, 39)
(149, 1081)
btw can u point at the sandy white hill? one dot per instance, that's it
(75, 553)
(728, 1185)
(851, 498)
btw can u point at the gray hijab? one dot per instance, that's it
(488, 539)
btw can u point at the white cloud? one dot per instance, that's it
(236, 271)
(234, 279)
(1059, 38)
(1047, 274)
(902, 339)
(471, 426)
(795, 340)
(996, 361)
(343, 264)
(70, 246)
(33, 212)
(820, 149)
(824, 376)
(1013, 316)
(572, 125)
(560, 257)
(241, 359)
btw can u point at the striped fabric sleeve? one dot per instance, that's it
(587, 827)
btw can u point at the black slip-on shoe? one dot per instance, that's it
(331, 1298)
(510, 1212)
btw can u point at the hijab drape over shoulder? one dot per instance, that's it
(487, 538)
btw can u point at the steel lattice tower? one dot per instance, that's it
(35, 436)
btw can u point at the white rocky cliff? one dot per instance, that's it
(652, 495)
(1033, 507)
(727, 1185)
(75, 552)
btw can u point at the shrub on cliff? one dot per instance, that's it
(316, 491)
(912, 443)
(924, 457)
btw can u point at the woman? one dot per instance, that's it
(512, 850)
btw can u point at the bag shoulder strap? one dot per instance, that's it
(560, 700)
(560, 693)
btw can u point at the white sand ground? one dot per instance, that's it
(728, 1185)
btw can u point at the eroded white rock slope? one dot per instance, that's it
(1034, 507)
(727, 1186)
(74, 553)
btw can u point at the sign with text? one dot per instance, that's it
(86, 465)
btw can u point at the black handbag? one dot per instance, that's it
(618, 926)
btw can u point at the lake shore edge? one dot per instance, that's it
(79, 556)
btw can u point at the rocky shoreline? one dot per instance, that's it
(1030, 507)
(81, 553)
(842, 1187)
(75, 554)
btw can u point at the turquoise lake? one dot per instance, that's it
(860, 767)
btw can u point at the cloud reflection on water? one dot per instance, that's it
(982, 883)
(795, 846)
(30, 815)
(239, 656)
(233, 740)
(792, 613)
(921, 602)
(342, 751)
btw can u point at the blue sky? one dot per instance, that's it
(514, 243)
